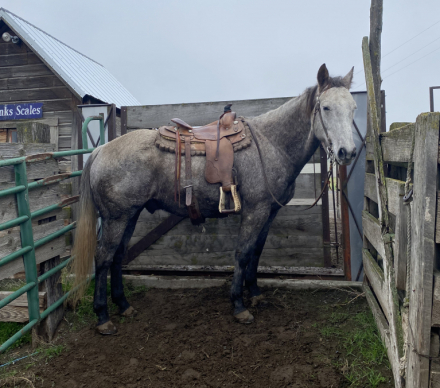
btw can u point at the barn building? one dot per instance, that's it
(43, 80)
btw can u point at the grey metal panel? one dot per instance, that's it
(355, 187)
(84, 75)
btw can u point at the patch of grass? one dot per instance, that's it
(8, 329)
(51, 352)
(365, 354)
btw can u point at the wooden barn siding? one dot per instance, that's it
(25, 78)
(295, 238)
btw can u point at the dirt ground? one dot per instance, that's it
(188, 338)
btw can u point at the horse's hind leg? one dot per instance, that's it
(251, 270)
(112, 233)
(117, 288)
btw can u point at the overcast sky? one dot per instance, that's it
(192, 51)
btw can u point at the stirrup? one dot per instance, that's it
(235, 199)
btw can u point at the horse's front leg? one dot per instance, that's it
(253, 222)
(251, 270)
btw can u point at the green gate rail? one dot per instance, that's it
(24, 220)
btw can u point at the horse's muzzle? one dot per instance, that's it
(345, 156)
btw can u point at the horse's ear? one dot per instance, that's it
(323, 76)
(348, 78)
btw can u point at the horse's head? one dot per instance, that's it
(332, 115)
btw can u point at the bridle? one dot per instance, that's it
(317, 109)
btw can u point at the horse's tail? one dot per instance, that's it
(85, 236)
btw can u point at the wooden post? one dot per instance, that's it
(52, 286)
(376, 16)
(395, 324)
(423, 249)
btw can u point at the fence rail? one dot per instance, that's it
(24, 220)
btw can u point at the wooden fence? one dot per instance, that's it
(297, 238)
(409, 330)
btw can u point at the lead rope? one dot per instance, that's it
(407, 202)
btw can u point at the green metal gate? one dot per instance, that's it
(24, 220)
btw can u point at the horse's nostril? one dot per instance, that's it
(342, 153)
(353, 155)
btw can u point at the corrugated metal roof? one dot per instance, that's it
(84, 75)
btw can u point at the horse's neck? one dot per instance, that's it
(288, 128)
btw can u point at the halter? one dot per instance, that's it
(317, 109)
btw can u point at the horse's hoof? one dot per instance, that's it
(255, 300)
(244, 317)
(130, 312)
(106, 328)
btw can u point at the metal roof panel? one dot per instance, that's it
(84, 75)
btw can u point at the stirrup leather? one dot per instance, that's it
(235, 199)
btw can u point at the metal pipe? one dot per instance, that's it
(14, 222)
(85, 125)
(54, 270)
(7, 259)
(12, 190)
(48, 209)
(52, 179)
(18, 335)
(17, 293)
(58, 303)
(54, 235)
(27, 239)
(11, 162)
(73, 152)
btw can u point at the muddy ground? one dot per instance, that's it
(188, 338)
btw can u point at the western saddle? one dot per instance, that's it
(218, 141)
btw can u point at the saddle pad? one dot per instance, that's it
(166, 139)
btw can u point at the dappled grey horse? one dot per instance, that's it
(130, 174)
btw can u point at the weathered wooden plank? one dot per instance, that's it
(21, 301)
(437, 221)
(395, 190)
(56, 247)
(15, 314)
(19, 59)
(7, 49)
(46, 81)
(146, 241)
(24, 71)
(294, 257)
(377, 279)
(302, 224)
(35, 171)
(372, 232)
(56, 92)
(382, 325)
(435, 316)
(423, 246)
(196, 114)
(39, 198)
(15, 150)
(396, 145)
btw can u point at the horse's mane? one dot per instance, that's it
(334, 82)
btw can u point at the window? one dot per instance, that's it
(8, 135)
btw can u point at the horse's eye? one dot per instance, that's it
(326, 108)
